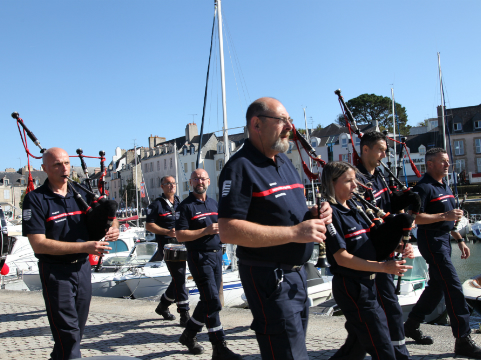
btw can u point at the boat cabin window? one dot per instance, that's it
(118, 246)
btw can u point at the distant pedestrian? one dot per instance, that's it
(197, 227)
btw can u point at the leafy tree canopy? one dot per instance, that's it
(366, 108)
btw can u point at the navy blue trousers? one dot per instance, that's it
(280, 309)
(354, 350)
(176, 292)
(206, 269)
(365, 318)
(436, 249)
(67, 291)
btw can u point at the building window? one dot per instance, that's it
(477, 124)
(152, 183)
(458, 127)
(478, 162)
(477, 142)
(458, 147)
(151, 166)
(460, 165)
(314, 144)
(170, 162)
(422, 150)
(5, 181)
(165, 163)
(344, 142)
(158, 165)
(192, 149)
(220, 148)
(193, 166)
(422, 168)
(358, 141)
(185, 150)
(186, 186)
(220, 164)
(6, 194)
(434, 123)
(345, 157)
(158, 182)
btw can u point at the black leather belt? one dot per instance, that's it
(283, 266)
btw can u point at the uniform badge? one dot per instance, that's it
(226, 187)
(26, 214)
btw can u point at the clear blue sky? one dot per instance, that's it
(98, 74)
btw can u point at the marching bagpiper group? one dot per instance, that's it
(262, 209)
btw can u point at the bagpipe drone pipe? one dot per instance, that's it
(102, 211)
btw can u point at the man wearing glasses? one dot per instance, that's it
(197, 227)
(161, 216)
(263, 210)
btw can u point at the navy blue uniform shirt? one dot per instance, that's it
(195, 214)
(435, 198)
(57, 217)
(352, 234)
(254, 188)
(162, 214)
(380, 191)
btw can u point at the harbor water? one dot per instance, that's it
(468, 268)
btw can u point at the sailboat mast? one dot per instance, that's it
(136, 192)
(394, 127)
(443, 125)
(222, 76)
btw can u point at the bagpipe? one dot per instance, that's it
(401, 198)
(386, 230)
(102, 211)
(299, 139)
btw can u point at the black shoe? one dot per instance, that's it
(220, 351)
(188, 339)
(184, 318)
(466, 347)
(163, 311)
(412, 330)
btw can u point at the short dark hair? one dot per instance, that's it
(166, 176)
(433, 152)
(256, 108)
(372, 138)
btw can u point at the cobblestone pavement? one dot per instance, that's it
(131, 328)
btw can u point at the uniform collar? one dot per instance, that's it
(364, 171)
(163, 197)
(430, 179)
(257, 157)
(191, 194)
(342, 209)
(49, 194)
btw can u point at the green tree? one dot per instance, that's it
(366, 108)
(21, 199)
(340, 120)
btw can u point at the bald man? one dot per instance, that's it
(55, 227)
(197, 227)
(262, 209)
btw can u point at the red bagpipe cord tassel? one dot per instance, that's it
(30, 186)
(356, 159)
(309, 174)
(413, 166)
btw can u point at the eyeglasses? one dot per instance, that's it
(279, 120)
(200, 179)
(169, 184)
